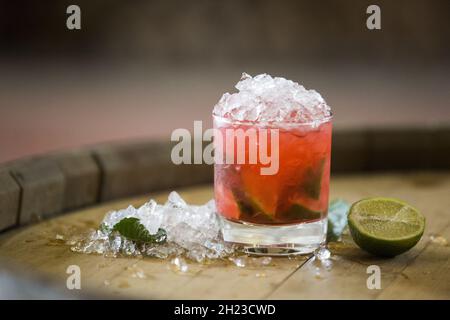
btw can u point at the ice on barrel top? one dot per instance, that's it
(268, 99)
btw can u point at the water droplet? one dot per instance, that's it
(136, 272)
(317, 273)
(240, 262)
(322, 253)
(263, 261)
(327, 264)
(438, 239)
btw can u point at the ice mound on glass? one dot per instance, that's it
(269, 99)
(191, 231)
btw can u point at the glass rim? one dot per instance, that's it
(275, 124)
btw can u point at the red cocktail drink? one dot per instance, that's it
(284, 211)
(297, 193)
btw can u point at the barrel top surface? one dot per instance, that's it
(421, 273)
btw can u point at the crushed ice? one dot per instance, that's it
(179, 265)
(192, 231)
(322, 253)
(267, 99)
(240, 262)
(322, 261)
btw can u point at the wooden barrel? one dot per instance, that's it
(43, 196)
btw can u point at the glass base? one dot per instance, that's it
(259, 239)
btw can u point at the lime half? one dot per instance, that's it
(385, 226)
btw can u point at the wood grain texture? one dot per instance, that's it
(81, 177)
(423, 272)
(9, 200)
(42, 184)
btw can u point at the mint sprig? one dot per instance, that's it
(132, 229)
(337, 219)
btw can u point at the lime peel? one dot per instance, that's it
(385, 226)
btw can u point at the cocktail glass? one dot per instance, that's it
(281, 213)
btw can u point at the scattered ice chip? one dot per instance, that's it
(317, 273)
(265, 261)
(176, 201)
(322, 253)
(179, 264)
(437, 239)
(327, 264)
(139, 274)
(136, 272)
(268, 99)
(322, 260)
(246, 261)
(240, 261)
(262, 261)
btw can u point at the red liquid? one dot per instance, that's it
(298, 193)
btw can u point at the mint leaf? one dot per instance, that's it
(132, 229)
(337, 218)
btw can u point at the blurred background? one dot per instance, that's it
(144, 68)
